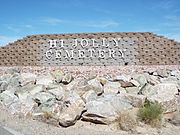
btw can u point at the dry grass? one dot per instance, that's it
(125, 121)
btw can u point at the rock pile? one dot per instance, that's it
(66, 99)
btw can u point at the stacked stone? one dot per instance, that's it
(141, 49)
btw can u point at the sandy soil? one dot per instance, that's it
(28, 126)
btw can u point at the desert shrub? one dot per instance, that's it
(125, 121)
(151, 113)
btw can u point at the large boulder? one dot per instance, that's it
(43, 97)
(3, 86)
(97, 86)
(141, 79)
(132, 90)
(28, 78)
(57, 75)
(89, 96)
(58, 92)
(29, 90)
(74, 106)
(7, 97)
(24, 107)
(112, 87)
(105, 109)
(44, 80)
(134, 100)
(175, 119)
(165, 94)
(67, 78)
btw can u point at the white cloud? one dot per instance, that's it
(4, 40)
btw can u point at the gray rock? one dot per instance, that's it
(58, 92)
(3, 86)
(132, 90)
(125, 84)
(141, 79)
(57, 75)
(29, 90)
(51, 107)
(24, 107)
(96, 85)
(112, 87)
(170, 79)
(163, 72)
(28, 78)
(135, 83)
(125, 78)
(67, 78)
(89, 96)
(70, 115)
(153, 80)
(175, 119)
(165, 94)
(44, 80)
(134, 100)
(105, 109)
(176, 73)
(43, 97)
(7, 97)
(73, 110)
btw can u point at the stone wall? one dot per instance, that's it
(140, 49)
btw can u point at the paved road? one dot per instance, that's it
(8, 131)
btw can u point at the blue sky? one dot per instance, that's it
(19, 18)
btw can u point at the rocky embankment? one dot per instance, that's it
(62, 99)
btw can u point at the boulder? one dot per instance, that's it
(165, 94)
(67, 78)
(43, 97)
(3, 86)
(29, 90)
(175, 119)
(105, 109)
(89, 96)
(44, 80)
(24, 107)
(163, 72)
(176, 73)
(27, 78)
(50, 107)
(112, 87)
(73, 110)
(7, 97)
(125, 78)
(70, 115)
(132, 90)
(57, 75)
(151, 79)
(141, 79)
(125, 84)
(96, 86)
(134, 100)
(79, 82)
(58, 92)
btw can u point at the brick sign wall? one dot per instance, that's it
(91, 49)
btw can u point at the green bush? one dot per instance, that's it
(151, 113)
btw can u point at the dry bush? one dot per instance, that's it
(126, 121)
